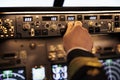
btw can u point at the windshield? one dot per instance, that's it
(67, 3)
(91, 3)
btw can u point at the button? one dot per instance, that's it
(62, 18)
(97, 29)
(59, 25)
(116, 18)
(44, 32)
(91, 29)
(37, 32)
(91, 23)
(62, 31)
(79, 17)
(1, 31)
(116, 24)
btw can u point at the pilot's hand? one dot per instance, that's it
(77, 36)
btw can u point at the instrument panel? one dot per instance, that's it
(33, 42)
(47, 25)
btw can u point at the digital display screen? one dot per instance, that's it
(90, 17)
(59, 71)
(106, 17)
(70, 18)
(38, 73)
(27, 19)
(112, 68)
(13, 74)
(49, 18)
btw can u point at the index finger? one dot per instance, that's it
(69, 27)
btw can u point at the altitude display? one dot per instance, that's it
(27, 19)
(90, 17)
(70, 18)
(12, 74)
(49, 18)
(112, 68)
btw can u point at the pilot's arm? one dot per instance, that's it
(82, 64)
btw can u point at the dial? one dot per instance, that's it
(26, 26)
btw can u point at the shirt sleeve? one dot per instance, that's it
(85, 64)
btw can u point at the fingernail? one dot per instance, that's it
(71, 23)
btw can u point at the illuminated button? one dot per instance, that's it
(2, 35)
(102, 22)
(12, 35)
(116, 18)
(52, 48)
(63, 26)
(37, 17)
(7, 35)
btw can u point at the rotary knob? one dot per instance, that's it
(53, 27)
(26, 26)
(91, 23)
(47, 25)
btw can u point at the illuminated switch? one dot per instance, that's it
(52, 48)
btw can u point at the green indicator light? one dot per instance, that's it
(7, 73)
(109, 61)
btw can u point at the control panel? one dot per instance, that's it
(7, 27)
(47, 25)
(32, 48)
